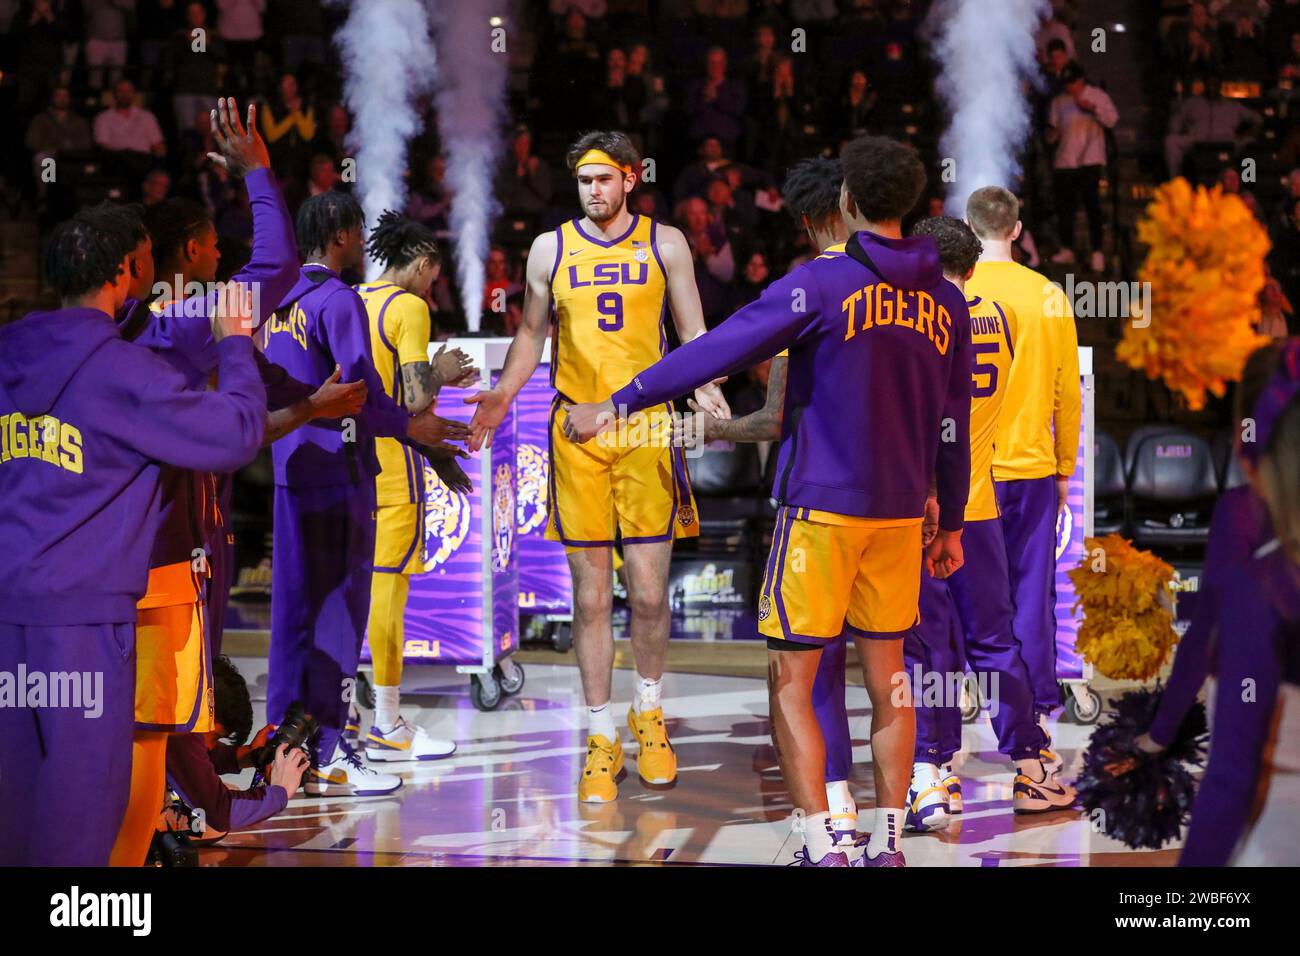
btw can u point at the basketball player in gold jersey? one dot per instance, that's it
(610, 277)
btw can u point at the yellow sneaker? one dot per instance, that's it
(604, 763)
(656, 761)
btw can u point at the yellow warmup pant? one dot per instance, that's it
(148, 780)
(399, 531)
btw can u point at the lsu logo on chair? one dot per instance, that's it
(446, 520)
(503, 516)
(531, 465)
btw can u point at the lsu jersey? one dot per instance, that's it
(1041, 437)
(993, 337)
(610, 299)
(399, 335)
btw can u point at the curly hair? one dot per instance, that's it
(812, 189)
(884, 177)
(85, 253)
(397, 241)
(959, 247)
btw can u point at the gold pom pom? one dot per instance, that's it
(1205, 270)
(1128, 625)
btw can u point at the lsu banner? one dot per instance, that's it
(544, 586)
(462, 607)
(1069, 552)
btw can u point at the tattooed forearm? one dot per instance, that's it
(762, 425)
(420, 385)
(284, 420)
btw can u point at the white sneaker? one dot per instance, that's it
(405, 741)
(1063, 257)
(347, 776)
(1097, 261)
(927, 800)
(1050, 793)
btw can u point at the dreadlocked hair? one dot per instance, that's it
(85, 253)
(812, 189)
(397, 241)
(321, 218)
(174, 222)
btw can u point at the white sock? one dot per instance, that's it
(600, 722)
(946, 770)
(818, 835)
(386, 704)
(844, 812)
(924, 775)
(1032, 768)
(648, 693)
(886, 827)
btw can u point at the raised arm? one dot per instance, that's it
(526, 350)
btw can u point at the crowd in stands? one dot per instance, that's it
(722, 96)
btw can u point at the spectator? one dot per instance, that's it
(762, 59)
(334, 140)
(156, 23)
(1274, 310)
(1078, 121)
(694, 179)
(656, 104)
(302, 33)
(1245, 56)
(199, 68)
(853, 114)
(753, 280)
(714, 265)
(497, 284)
(431, 201)
(1284, 257)
(1051, 32)
(106, 36)
(735, 211)
(1206, 117)
(525, 184)
(289, 126)
(322, 177)
(1194, 46)
(157, 184)
(782, 112)
(622, 99)
(716, 104)
(129, 134)
(239, 23)
(57, 130)
(38, 42)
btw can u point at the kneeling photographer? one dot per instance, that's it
(195, 762)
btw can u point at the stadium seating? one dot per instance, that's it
(725, 478)
(1109, 487)
(1172, 485)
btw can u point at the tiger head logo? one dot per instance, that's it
(446, 520)
(532, 466)
(503, 517)
(686, 515)
(764, 608)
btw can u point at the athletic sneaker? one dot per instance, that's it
(347, 776)
(656, 761)
(927, 800)
(1048, 794)
(599, 780)
(952, 783)
(832, 858)
(406, 741)
(886, 858)
(352, 729)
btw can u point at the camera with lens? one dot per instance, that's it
(297, 728)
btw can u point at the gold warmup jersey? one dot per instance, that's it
(399, 335)
(993, 337)
(610, 301)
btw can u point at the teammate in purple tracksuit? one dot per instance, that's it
(85, 421)
(324, 508)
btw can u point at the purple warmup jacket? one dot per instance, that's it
(1259, 641)
(182, 336)
(878, 394)
(1239, 526)
(193, 771)
(79, 487)
(321, 323)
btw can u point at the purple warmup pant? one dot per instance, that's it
(65, 775)
(969, 615)
(1029, 527)
(832, 715)
(321, 562)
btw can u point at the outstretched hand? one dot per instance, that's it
(338, 399)
(240, 149)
